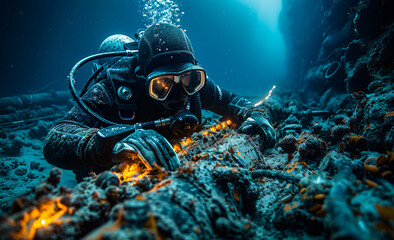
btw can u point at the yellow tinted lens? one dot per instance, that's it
(160, 86)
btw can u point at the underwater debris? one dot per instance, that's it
(330, 175)
(221, 190)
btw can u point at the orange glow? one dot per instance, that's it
(182, 147)
(132, 171)
(219, 127)
(189, 141)
(288, 207)
(205, 133)
(213, 129)
(177, 148)
(224, 125)
(292, 166)
(186, 143)
(47, 214)
(229, 122)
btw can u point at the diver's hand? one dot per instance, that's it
(150, 147)
(258, 124)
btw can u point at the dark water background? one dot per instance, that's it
(236, 41)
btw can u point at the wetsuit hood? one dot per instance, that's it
(164, 44)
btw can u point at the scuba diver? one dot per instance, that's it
(161, 87)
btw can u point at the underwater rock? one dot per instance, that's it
(294, 129)
(371, 17)
(292, 120)
(214, 194)
(227, 187)
(3, 135)
(107, 179)
(4, 168)
(358, 78)
(354, 51)
(13, 147)
(34, 165)
(340, 119)
(312, 150)
(20, 171)
(355, 143)
(54, 176)
(288, 144)
(40, 130)
(338, 132)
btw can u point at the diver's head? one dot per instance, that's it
(167, 61)
(112, 44)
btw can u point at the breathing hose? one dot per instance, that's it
(195, 106)
(71, 81)
(90, 80)
(183, 122)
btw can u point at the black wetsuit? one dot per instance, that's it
(70, 142)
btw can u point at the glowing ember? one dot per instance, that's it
(177, 148)
(189, 141)
(45, 215)
(50, 213)
(132, 171)
(182, 147)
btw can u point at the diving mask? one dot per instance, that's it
(192, 78)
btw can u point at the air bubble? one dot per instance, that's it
(161, 11)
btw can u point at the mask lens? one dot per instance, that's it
(160, 86)
(193, 81)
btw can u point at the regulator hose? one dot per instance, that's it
(195, 106)
(90, 80)
(71, 81)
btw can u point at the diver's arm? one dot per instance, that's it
(239, 110)
(70, 143)
(223, 102)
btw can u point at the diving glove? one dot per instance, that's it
(150, 147)
(257, 123)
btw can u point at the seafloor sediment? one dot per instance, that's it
(330, 175)
(321, 180)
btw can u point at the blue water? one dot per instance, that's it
(236, 41)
